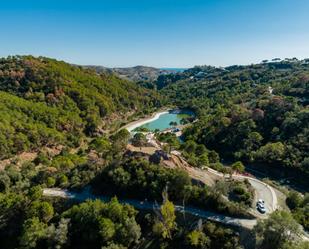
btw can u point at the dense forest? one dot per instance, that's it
(257, 113)
(45, 102)
(60, 128)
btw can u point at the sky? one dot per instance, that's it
(160, 33)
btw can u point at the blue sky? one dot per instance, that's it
(161, 33)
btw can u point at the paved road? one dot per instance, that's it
(263, 190)
(146, 205)
(209, 176)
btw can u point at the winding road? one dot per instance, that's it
(146, 205)
(207, 176)
(262, 190)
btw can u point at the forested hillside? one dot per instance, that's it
(68, 119)
(257, 113)
(45, 102)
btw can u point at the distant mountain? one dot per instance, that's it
(137, 73)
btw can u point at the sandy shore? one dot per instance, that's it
(131, 126)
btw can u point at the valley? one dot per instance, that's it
(158, 124)
(86, 151)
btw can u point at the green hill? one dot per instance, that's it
(257, 113)
(47, 102)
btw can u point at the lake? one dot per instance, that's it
(164, 120)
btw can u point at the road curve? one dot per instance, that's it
(146, 205)
(209, 176)
(263, 190)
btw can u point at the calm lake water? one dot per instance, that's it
(163, 122)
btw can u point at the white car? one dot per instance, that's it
(261, 206)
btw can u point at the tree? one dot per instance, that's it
(33, 231)
(101, 145)
(40, 209)
(61, 233)
(173, 142)
(103, 223)
(278, 231)
(271, 152)
(139, 139)
(173, 123)
(35, 193)
(58, 236)
(107, 229)
(120, 140)
(203, 160)
(253, 141)
(190, 147)
(200, 149)
(294, 200)
(165, 223)
(130, 232)
(213, 157)
(197, 239)
(305, 165)
(238, 167)
(184, 121)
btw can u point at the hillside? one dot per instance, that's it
(257, 113)
(47, 102)
(62, 113)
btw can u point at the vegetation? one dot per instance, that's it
(139, 179)
(139, 139)
(45, 102)
(165, 223)
(300, 207)
(67, 118)
(280, 230)
(257, 113)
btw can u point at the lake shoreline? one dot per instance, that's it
(133, 125)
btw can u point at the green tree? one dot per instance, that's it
(120, 140)
(238, 167)
(173, 123)
(278, 231)
(271, 152)
(35, 193)
(190, 147)
(197, 239)
(294, 200)
(101, 145)
(213, 157)
(165, 223)
(107, 229)
(33, 231)
(40, 209)
(139, 139)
